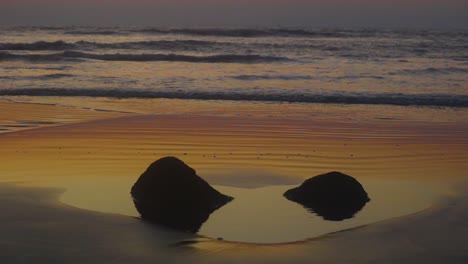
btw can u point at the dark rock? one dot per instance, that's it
(171, 193)
(334, 196)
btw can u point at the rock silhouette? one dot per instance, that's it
(171, 193)
(334, 196)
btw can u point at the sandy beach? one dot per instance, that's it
(282, 131)
(68, 165)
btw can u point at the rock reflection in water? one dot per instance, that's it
(334, 196)
(171, 193)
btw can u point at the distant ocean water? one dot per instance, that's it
(397, 67)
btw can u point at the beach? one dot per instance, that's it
(65, 190)
(255, 112)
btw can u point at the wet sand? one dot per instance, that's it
(101, 153)
(37, 228)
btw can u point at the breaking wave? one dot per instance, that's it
(289, 32)
(40, 77)
(246, 33)
(304, 77)
(435, 100)
(241, 32)
(93, 32)
(71, 55)
(430, 70)
(39, 45)
(272, 77)
(89, 45)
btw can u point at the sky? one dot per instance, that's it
(442, 14)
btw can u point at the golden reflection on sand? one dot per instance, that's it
(216, 145)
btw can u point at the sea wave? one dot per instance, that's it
(243, 32)
(221, 32)
(55, 76)
(39, 45)
(304, 77)
(433, 100)
(430, 70)
(272, 77)
(205, 46)
(294, 32)
(93, 32)
(89, 45)
(73, 55)
(40, 77)
(6, 56)
(306, 49)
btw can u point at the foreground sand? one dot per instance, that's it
(37, 229)
(105, 151)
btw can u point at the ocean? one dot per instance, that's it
(330, 66)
